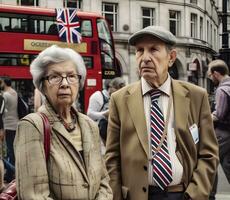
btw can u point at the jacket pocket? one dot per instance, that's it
(124, 191)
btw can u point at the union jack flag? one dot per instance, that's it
(68, 25)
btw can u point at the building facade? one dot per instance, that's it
(194, 22)
(224, 30)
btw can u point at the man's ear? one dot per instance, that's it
(173, 54)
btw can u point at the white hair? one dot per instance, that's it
(55, 54)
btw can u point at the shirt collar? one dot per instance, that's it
(165, 87)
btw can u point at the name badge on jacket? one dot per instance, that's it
(194, 132)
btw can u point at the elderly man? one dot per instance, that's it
(161, 143)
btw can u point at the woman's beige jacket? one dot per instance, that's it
(66, 176)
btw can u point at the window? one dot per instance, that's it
(228, 23)
(13, 22)
(73, 4)
(201, 28)
(148, 17)
(28, 2)
(214, 42)
(28, 23)
(109, 11)
(193, 1)
(208, 35)
(193, 25)
(174, 22)
(88, 62)
(86, 28)
(211, 34)
(228, 5)
(107, 56)
(14, 59)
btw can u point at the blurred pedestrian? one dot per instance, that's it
(99, 102)
(161, 143)
(75, 167)
(10, 121)
(218, 72)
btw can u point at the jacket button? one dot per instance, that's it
(145, 168)
(85, 185)
(144, 189)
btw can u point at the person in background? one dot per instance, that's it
(116, 84)
(99, 102)
(75, 167)
(10, 121)
(218, 72)
(161, 143)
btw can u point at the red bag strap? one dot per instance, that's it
(47, 131)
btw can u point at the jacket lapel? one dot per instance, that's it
(65, 138)
(181, 107)
(136, 110)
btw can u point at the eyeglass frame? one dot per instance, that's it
(62, 77)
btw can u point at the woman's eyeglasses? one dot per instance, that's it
(56, 79)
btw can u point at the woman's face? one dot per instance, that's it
(62, 84)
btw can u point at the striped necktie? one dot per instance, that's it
(162, 168)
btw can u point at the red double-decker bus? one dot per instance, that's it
(25, 31)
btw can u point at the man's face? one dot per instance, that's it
(213, 77)
(153, 60)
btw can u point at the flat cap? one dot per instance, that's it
(155, 31)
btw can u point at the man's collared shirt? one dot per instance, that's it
(177, 169)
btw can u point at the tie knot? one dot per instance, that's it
(155, 94)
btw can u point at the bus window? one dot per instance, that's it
(17, 23)
(107, 61)
(5, 22)
(106, 46)
(86, 28)
(88, 62)
(7, 59)
(42, 24)
(53, 29)
(13, 23)
(103, 31)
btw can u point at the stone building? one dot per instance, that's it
(194, 22)
(224, 30)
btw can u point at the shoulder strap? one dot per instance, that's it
(104, 101)
(47, 130)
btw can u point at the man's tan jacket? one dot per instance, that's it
(128, 149)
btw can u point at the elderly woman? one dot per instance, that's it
(75, 169)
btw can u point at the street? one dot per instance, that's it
(223, 190)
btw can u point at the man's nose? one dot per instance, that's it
(146, 57)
